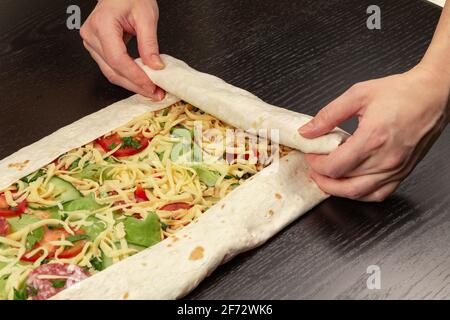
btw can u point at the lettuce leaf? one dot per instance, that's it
(143, 232)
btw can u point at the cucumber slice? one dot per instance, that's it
(93, 172)
(65, 190)
(17, 223)
(53, 212)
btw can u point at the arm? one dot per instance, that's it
(437, 56)
(105, 32)
(400, 117)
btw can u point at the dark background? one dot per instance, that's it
(296, 54)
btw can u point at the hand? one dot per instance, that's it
(105, 32)
(400, 117)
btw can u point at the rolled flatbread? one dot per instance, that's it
(238, 107)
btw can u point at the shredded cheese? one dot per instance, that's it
(166, 170)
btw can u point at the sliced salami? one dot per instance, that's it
(48, 279)
(4, 226)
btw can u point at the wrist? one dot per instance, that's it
(436, 71)
(435, 82)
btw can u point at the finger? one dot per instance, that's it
(344, 159)
(93, 45)
(159, 94)
(352, 188)
(336, 112)
(147, 40)
(382, 193)
(116, 56)
(90, 40)
(111, 75)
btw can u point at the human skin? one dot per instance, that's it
(400, 117)
(105, 33)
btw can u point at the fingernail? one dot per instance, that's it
(307, 127)
(150, 88)
(159, 94)
(156, 61)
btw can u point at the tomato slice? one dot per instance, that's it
(139, 194)
(24, 258)
(55, 235)
(176, 206)
(110, 142)
(4, 226)
(7, 211)
(73, 251)
(3, 203)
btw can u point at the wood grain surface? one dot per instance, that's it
(295, 54)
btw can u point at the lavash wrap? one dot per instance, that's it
(244, 219)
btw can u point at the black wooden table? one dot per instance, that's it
(296, 54)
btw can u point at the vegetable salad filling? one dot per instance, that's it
(128, 190)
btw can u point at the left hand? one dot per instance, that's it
(105, 33)
(400, 117)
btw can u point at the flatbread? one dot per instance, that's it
(244, 219)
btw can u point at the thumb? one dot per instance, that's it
(147, 39)
(333, 114)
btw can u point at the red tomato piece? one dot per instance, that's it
(73, 251)
(176, 206)
(139, 194)
(55, 235)
(29, 259)
(4, 226)
(110, 142)
(7, 211)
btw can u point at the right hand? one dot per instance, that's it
(400, 117)
(105, 32)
